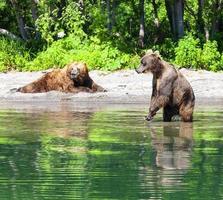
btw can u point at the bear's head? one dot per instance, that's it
(78, 72)
(150, 62)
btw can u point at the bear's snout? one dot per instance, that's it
(140, 69)
(74, 73)
(137, 71)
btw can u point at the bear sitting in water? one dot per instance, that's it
(170, 89)
(73, 78)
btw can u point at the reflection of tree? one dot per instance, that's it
(43, 154)
(173, 151)
(114, 155)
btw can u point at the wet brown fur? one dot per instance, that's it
(171, 91)
(62, 80)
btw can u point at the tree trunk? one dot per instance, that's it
(142, 24)
(207, 34)
(171, 16)
(175, 12)
(179, 21)
(135, 9)
(156, 21)
(109, 19)
(35, 15)
(200, 21)
(114, 5)
(20, 20)
(34, 9)
(215, 26)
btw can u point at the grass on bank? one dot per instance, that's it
(188, 52)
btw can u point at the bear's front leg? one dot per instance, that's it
(98, 88)
(156, 103)
(148, 117)
(79, 89)
(152, 113)
(152, 110)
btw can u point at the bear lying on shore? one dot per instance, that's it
(73, 78)
(170, 89)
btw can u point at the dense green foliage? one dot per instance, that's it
(105, 34)
(13, 55)
(190, 53)
(96, 54)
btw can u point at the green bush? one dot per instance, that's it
(104, 56)
(166, 49)
(55, 55)
(220, 67)
(13, 55)
(97, 55)
(210, 58)
(52, 28)
(190, 54)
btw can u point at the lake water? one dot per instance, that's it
(109, 153)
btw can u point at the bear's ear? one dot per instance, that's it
(157, 54)
(86, 69)
(83, 67)
(150, 51)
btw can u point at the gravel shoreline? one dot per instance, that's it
(124, 87)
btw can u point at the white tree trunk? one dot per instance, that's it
(142, 24)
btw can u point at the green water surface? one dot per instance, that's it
(110, 154)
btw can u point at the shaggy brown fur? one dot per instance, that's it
(170, 89)
(73, 78)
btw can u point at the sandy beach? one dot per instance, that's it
(123, 87)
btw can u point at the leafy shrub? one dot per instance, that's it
(97, 55)
(104, 56)
(52, 28)
(13, 55)
(188, 53)
(72, 20)
(210, 58)
(220, 67)
(54, 55)
(166, 49)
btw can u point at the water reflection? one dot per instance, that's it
(173, 150)
(110, 154)
(43, 154)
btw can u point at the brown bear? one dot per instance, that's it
(73, 78)
(170, 89)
